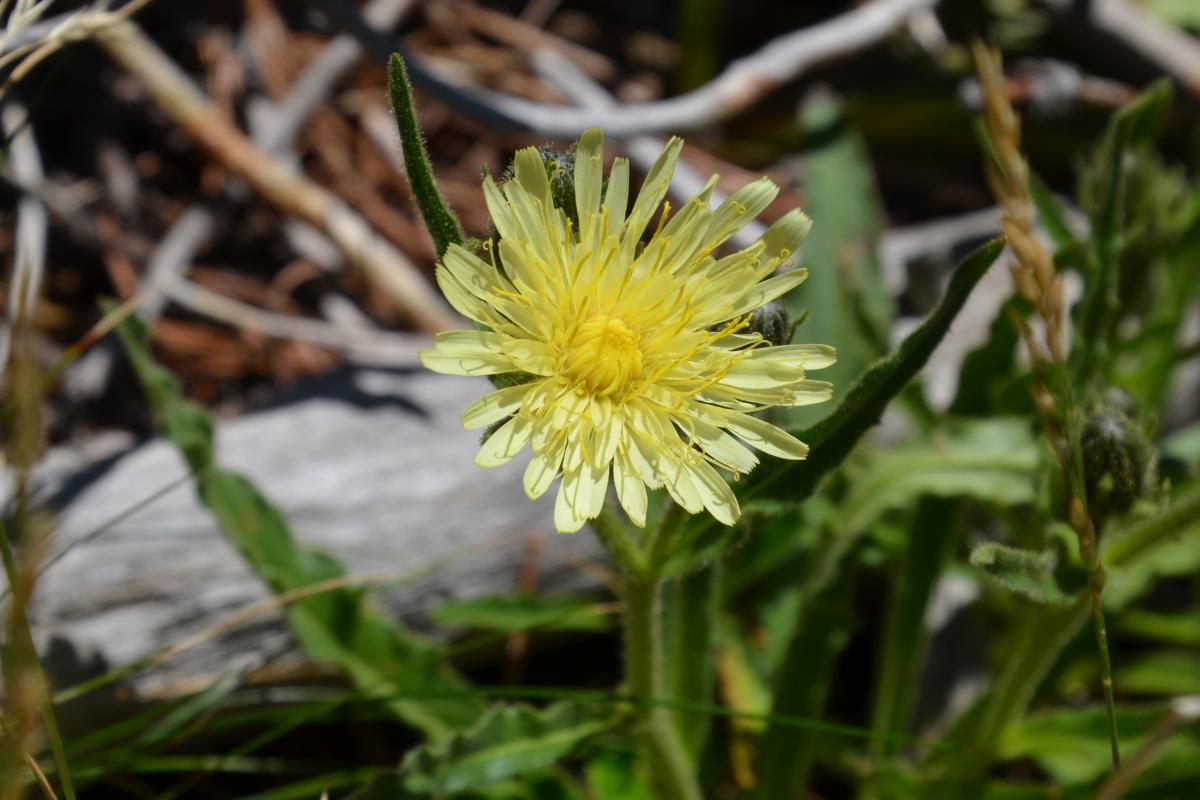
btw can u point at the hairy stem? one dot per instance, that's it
(644, 673)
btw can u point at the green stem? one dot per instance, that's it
(644, 673)
(614, 534)
(644, 668)
(1106, 675)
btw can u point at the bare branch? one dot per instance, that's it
(643, 150)
(287, 189)
(743, 83)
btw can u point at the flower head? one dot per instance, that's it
(636, 362)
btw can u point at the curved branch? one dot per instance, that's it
(741, 84)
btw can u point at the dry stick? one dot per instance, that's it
(364, 346)
(1174, 51)
(523, 36)
(742, 84)
(27, 42)
(318, 78)
(643, 150)
(175, 253)
(290, 191)
(1039, 283)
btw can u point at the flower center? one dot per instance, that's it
(605, 357)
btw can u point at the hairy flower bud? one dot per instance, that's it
(772, 321)
(1116, 456)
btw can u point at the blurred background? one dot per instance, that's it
(230, 174)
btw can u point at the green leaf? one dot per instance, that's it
(518, 613)
(991, 460)
(618, 776)
(1138, 122)
(1022, 572)
(822, 630)
(1164, 672)
(441, 223)
(1141, 552)
(508, 741)
(1177, 629)
(832, 439)
(1072, 745)
(1050, 213)
(900, 662)
(851, 307)
(341, 626)
(988, 370)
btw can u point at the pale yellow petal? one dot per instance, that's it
(529, 355)
(495, 406)
(785, 235)
(654, 189)
(631, 491)
(589, 175)
(500, 210)
(567, 518)
(677, 477)
(742, 206)
(543, 469)
(616, 196)
(504, 443)
(718, 498)
(765, 436)
(530, 172)
(467, 353)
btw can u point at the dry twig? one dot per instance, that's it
(742, 84)
(287, 189)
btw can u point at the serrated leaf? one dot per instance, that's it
(518, 613)
(507, 742)
(341, 626)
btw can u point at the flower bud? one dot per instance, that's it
(1116, 456)
(772, 321)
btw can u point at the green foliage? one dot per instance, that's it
(832, 439)
(1072, 745)
(444, 228)
(521, 613)
(339, 625)
(1104, 188)
(844, 287)
(507, 742)
(1023, 572)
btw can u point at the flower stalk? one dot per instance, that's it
(642, 586)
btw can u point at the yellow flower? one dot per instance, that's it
(638, 361)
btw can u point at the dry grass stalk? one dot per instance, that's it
(1039, 283)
